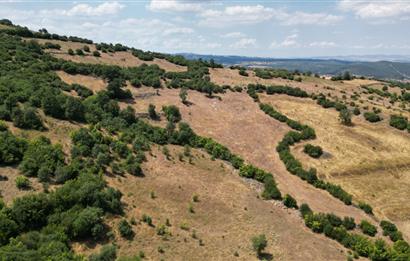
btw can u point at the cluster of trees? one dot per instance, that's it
(42, 34)
(336, 228)
(326, 103)
(50, 221)
(346, 76)
(390, 230)
(273, 73)
(271, 190)
(11, 148)
(399, 122)
(278, 89)
(313, 151)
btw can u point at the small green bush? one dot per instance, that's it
(125, 229)
(372, 117)
(368, 228)
(313, 151)
(290, 202)
(259, 243)
(366, 208)
(22, 182)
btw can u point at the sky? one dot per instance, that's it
(286, 28)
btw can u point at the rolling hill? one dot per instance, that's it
(399, 70)
(108, 152)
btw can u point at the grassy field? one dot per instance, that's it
(228, 213)
(371, 161)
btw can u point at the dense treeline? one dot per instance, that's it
(337, 229)
(274, 73)
(42, 34)
(278, 89)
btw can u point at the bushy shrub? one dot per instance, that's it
(345, 117)
(390, 229)
(151, 112)
(399, 122)
(305, 210)
(96, 53)
(11, 148)
(22, 182)
(259, 243)
(372, 117)
(27, 118)
(41, 157)
(290, 202)
(125, 229)
(348, 223)
(271, 190)
(313, 151)
(368, 228)
(172, 113)
(366, 208)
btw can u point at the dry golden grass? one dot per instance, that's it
(58, 131)
(371, 161)
(124, 59)
(8, 189)
(237, 122)
(227, 215)
(92, 83)
(337, 89)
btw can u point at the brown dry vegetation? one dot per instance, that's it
(8, 189)
(58, 131)
(125, 59)
(371, 161)
(238, 123)
(90, 82)
(227, 215)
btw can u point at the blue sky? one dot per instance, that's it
(254, 28)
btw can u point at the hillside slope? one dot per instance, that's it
(114, 151)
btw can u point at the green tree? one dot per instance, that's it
(345, 117)
(183, 94)
(290, 202)
(22, 182)
(259, 243)
(151, 112)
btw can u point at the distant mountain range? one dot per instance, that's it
(378, 66)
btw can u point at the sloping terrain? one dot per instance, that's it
(227, 213)
(205, 164)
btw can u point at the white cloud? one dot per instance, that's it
(376, 9)
(252, 14)
(233, 35)
(174, 6)
(289, 41)
(244, 43)
(323, 44)
(106, 8)
(234, 15)
(178, 30)
(302, 18)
